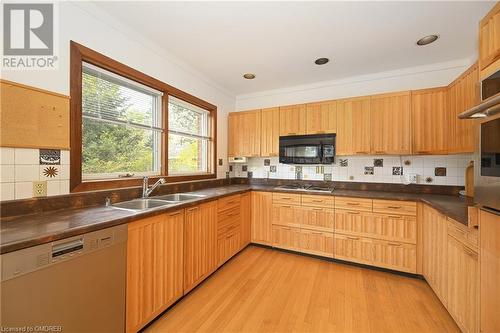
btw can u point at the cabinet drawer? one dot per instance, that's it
(286, 237)
(351, 248)
(316, 242)
(395, 207)
(228, 246)
(321, 219)
(462, 233)
(287, 215)
(395, 255)
(318, 201)
(228, 202)
(286, 198)
(230, 213)
(359, 204)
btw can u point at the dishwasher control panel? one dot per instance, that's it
(28, 260)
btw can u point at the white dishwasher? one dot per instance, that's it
(75, 284)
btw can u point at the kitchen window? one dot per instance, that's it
(125, 125)
(189, 138)
(121, 126)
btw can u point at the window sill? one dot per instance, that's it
(110, 184)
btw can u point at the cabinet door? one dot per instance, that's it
(316, 242)
(293, 119)
(200, 243)
(286, 237)
(245, 219)
(321, 117)
(232, 137)
(320, 219)
(353, 126)
(250, 123)
(262, 212)
(390, 123)
(396, 228)
(395, 255)
(489, 40)
(463, 285)
(435, 238)
(228, 245)
(351, 248)
(288, 215)
(270, 132)
(463, 94)
(352, 222)
(429, 121)
(154, 267)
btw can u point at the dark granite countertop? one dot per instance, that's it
(20, 232)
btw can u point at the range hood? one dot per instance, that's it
(487, 108)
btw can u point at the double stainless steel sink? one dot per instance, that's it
(137, 205)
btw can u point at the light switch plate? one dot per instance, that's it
(412, 178)
(39, 189)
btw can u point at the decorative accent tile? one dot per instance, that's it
(368, 170)
(397, 171)
(221, 162)
(50, 172)
(227, 174)
(50, 157)
(267, 162)
(244, 168)
(327, 177)
(272, 168)
(440, 172)
(250, 174)
(298, 168)
(230, 168)
(407, 162)
(298, 175)
(344, 162)
(378, 162)
(429, 179)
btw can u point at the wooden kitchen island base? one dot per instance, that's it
(263, 290)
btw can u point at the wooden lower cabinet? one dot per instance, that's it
(319, 219)
(435, 243)
(200, 243)
(246, 221)
(463, 285)
(155, 265)
(352, 248)
(228, 245)
(285, 237)
(289, 215)
(261, 216)
(316, 242)
(229, 227)
(395, 255)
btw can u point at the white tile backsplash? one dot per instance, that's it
(423, 166)
(20, 167)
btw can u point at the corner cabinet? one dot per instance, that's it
(261, 207)
(200, 243)
(390, 123)
(429, 121)
(155, 266)
(244, 133)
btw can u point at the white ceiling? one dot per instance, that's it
(278, 41)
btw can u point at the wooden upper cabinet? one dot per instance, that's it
(270, 132)
(321, 117)
(390, 123)
(244, 133)
(353, 126)
(293, 119)
(463, 93)
(489, 39)
(429, 121)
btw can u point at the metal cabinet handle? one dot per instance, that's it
(394, 244)
(353, 203)
(286, 206)
(394, 216)
(394, 207)
(191, 209)
(316, 200)
(353, 238)
(176, 213)
(354, 213)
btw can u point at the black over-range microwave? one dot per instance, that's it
(307, 149)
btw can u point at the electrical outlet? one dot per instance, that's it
(412, 178)
(40, 189)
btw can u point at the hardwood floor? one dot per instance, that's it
(263, 290)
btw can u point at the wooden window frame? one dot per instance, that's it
(80, 54)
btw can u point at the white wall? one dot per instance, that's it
(86, 24)
(428, 76)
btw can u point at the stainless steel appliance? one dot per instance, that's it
(306, 188)
(307, 149)
(71, 285)
(487, 153)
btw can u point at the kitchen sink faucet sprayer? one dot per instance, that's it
(146, 189)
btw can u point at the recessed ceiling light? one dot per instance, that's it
(249, 76)
(427, 40)
(321, 61)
